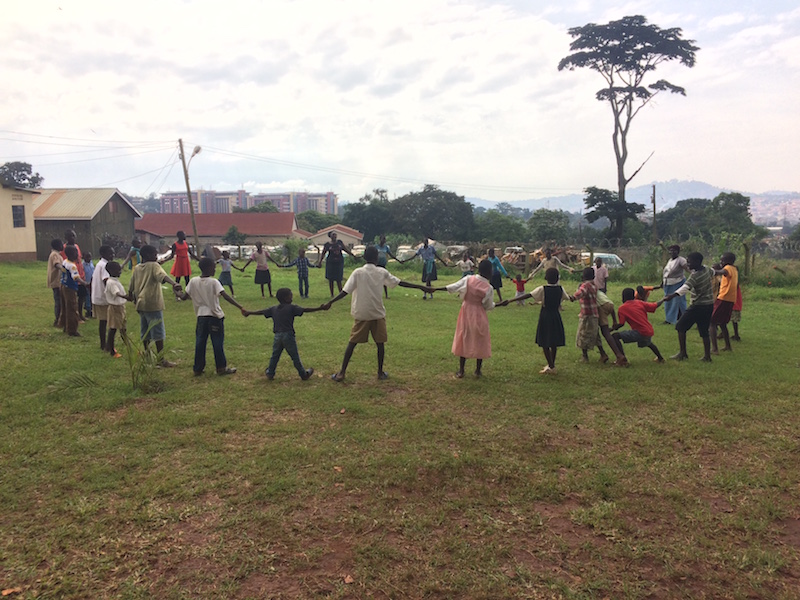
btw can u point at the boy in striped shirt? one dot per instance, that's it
(702, 293)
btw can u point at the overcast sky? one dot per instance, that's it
(347, 96)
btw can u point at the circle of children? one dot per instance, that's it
(77, 283)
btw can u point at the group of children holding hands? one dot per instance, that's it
(366, 286)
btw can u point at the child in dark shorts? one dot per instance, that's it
(701, 287)
(635, 312)
(283, 315)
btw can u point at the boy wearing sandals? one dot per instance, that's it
(204, 292)
(366, 285)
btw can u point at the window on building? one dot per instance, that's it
(112, 206)
(18, 214)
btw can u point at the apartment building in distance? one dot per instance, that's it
(213, 202)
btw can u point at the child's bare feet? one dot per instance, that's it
(604, 359)
(705, 359)
(459, 374)
(679, 356)
(658, 359)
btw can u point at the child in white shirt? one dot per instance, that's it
(115, 297)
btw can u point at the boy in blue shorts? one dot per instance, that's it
(144, 290)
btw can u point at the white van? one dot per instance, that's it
(611, 261)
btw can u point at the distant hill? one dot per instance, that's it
(765, 207)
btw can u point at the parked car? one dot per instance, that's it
(611, 261)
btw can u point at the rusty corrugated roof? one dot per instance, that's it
(76, 203)
(217, 225)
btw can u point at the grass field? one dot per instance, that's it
(677, 480)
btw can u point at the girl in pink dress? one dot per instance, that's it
(472, 339)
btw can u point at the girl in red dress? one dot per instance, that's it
(181, 252)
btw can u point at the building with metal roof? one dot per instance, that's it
(97, 215)
(17, 231)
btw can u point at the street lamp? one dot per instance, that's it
(195, 152)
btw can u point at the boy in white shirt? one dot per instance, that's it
(115, 298)
(205, 292)
(366, 285)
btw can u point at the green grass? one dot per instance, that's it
(658, 481)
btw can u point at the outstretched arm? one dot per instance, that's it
(327, 305)
(231, 299)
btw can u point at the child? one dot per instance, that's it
(550, 329)
(303, 264)
(736, 314)
(605, 309)
(283, 315)
(700, 284)
(115, 297)
(600, 275)
(472, 339)
(144, 290)
(498, 272)
(643, 291)
(204, 292)
(180, 251)
(520, 283)
(54, 263)
(99, 303)
(429, 257)
(635, 312)
(225, 275)
(366, 284)
(466, 265)
(261, 257)
(70, 283)
(88, 269)
(723, 305)
(588, 325)
(134, 254)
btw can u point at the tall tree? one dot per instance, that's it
(371, 215)
(20, 174)
(313, 221)
(433, 213)
(546, 225)
(605, 203)
(625, 52)
(494, 226)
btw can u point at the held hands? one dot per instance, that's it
(503, 303)
(176, 288)
(245, 312)
(325, 306)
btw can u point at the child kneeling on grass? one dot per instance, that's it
(205, 292)
(635, 312)
(283, 315)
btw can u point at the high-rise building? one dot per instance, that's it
(211, 202)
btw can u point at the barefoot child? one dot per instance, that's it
(588, 320)
(366, 286)
(144, 290)
(225, 275)
(520, 283)
(115, 298)
(736, 314)
(635, 312)
(204, 292)
(605, 309)
(180, 251)
(261, 257)
(699, 312)
(723, 305)
(550, 329)
(282, 315)
(472, 339)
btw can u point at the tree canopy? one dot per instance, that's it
(20, 174)
(727, 212)
(371, 215)
(546, 225)
(625, 53)
(433, 213)
(605, 203)
(313, 221)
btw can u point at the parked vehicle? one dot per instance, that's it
(611, 261)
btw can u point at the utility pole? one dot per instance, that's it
(189, 193)
(655, 231)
